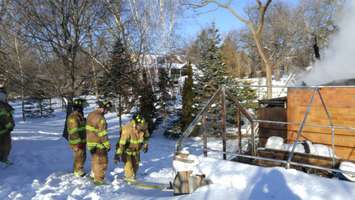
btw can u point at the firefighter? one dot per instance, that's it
(77, 136)
(7, 124)
(134, 137)
(98, 142)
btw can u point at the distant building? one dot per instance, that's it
(173, 64)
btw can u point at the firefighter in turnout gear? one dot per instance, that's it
(98, 142)
(7, 124)
(77, 136)
(134, 137)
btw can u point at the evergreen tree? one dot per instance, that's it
(187, 99)
(211, 65)
(147, 100)
(214, 72)
(116, 83)
(163, 90)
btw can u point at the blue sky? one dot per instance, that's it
(195, 20)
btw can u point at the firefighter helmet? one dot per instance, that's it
(138, 118)
(80, 103)
(106, 105)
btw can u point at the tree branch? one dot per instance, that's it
(231, 10)
(262, 11)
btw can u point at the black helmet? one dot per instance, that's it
(138, 118)
(80, 103)
(105, 104)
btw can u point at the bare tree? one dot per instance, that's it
(60, 27)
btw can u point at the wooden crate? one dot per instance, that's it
(340, 102)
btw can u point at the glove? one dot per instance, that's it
(145, 148)
(92, 151)
(117, 158)
(11, 128)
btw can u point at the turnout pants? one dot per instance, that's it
(99, 164)
(131, 165)
(5, 146)
(79, 158)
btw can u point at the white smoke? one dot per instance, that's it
(338, 61)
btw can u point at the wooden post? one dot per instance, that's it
(253, 152)
(239, 125)
(223, 123)
(204, 133)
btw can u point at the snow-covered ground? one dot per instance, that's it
(240, 181)
(43, 162)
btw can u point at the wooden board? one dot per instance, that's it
(298, 157)
(340, 102)
(267, 130)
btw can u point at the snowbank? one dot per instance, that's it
(241, 181)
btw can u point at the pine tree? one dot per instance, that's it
(147, 100)
(163, 90)
(116, 83)
(215, 73)
(187, 99)
(211, 65)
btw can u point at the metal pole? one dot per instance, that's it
(193, 124)
(299, 132)
(237, 103)
(223, 121)
(333, 146)
(247, 115)
(331, 125)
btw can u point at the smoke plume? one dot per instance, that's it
(338, 61)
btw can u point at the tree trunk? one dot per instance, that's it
(22, 79)
(266, 62)
(93, 67)
(95, 79)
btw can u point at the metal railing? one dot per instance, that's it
(283, 162)
(224, 93)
